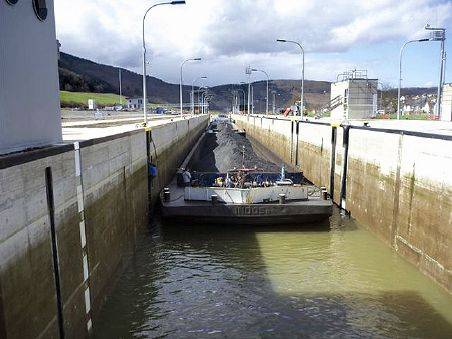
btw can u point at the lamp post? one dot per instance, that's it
(193, 92)
(400, 72)
(235, 100)
(181, 81)
(439, 34)
(203, 94)
(248, 72)
(244, 98)
(176, 2)
(120, 88)
(243, 91)
(206, 100)
(252, 99)
(268, 79)
(302, 71)
(274, 102)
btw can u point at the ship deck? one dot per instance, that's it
(292, 212)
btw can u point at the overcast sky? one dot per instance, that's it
(230, 34)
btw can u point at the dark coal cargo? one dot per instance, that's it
(226, 149)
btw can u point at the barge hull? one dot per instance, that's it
(253, 214)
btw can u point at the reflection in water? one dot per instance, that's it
(262, 282)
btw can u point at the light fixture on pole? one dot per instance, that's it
(302, 72)
(181, 81)
(268, 79)
(193, 92)
(400, 72)
(248, 72)
(177, 2)
(439, 34)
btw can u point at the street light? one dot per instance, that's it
(181, 2)
(252, 99)
(302, 71)
(248, 72)
(439, 34)
(181, 80)
(243, 91)
(268, 79)
(274, 102)
(244, 98)
(193, 92)
(400, 72)
(235, 99)
(203, 95)
(120, 87)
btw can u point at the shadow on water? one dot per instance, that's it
(203, 281)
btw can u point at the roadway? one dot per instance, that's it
(423, 126)
(84, 125)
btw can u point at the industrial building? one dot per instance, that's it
(29, 90)
(135, 103)
(446, 103)
(353, 96)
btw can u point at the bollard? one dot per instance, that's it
(282, 199)
(214, 199)
(166, 194)
(324, 193)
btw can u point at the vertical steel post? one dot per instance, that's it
(120, 87)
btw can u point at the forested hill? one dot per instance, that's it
(82, 75)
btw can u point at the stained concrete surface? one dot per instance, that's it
(116, 199)
(396, 185)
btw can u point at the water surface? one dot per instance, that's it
(332, 280)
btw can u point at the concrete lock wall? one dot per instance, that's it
(28, 299)
(168, 146)
(100, 198)
(396, 183)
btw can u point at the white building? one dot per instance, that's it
(29, 90)
(92, 105)
(407, 109)
(427, 108)
(354, 96)
(135, 103)
(446, 103)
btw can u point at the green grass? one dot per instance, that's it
(77, 99)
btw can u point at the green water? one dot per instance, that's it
(332, 280)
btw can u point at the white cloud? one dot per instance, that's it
(231, 34)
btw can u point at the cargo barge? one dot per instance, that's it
(242, 196)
